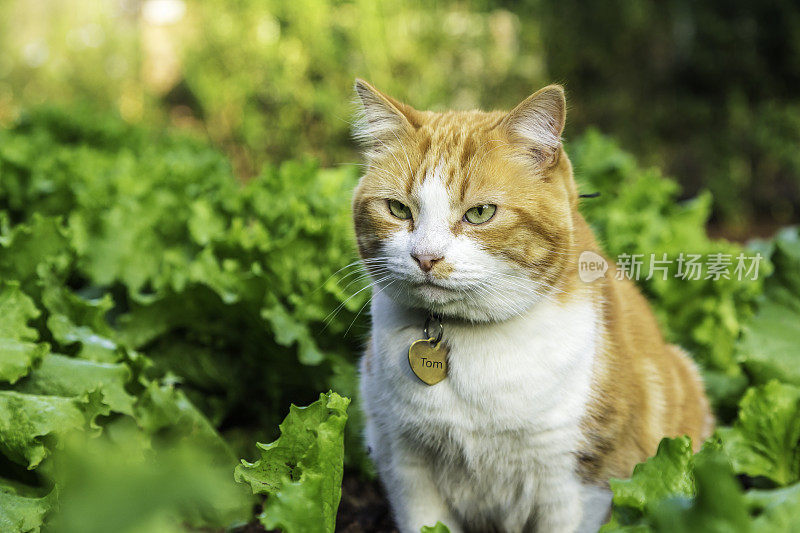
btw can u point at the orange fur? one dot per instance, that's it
(643, 388)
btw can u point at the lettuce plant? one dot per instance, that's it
(158, 314)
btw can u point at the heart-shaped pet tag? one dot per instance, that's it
(428, 360)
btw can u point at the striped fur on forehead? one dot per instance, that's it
(458, 139)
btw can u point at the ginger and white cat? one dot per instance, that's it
(553, 384)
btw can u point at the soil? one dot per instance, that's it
(363, 508)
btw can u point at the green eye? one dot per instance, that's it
(480, 213)
(399, 210)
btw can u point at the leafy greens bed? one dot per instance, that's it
(157, 318)
(150, 300)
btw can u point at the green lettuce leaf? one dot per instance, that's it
(289, 331)
(166, 411)
(769, 348)
(436, 528)
(775, 510)
(58, 375)
(698, 493)
(765, 439)
(717, 506)
(17, 310)
(301, 472)
(41, 241)
(121, 481)
(75, 320)
(21, 507)
(17, 358)
(667, 474)
(25, 419)
(17, 353)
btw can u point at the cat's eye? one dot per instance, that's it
(480, 213)
(399, 209)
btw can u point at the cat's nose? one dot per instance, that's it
(426, 262)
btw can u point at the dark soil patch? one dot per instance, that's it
(363, 508)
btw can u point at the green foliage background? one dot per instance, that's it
(177, 259)
(704, 90)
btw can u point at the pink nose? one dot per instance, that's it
(426, 262)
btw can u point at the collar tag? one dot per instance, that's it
(428, 356)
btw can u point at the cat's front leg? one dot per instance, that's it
(558, 506)
(414, 497)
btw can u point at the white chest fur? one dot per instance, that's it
(496, 439)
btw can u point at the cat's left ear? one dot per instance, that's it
(536, 124)
(381, 118)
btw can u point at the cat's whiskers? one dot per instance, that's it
(370, 270)
(368, 275)
(376, 268)
(502, 291)
(526, 289)
(360, 278)
(515, 308)
(356, 264)
(329, 319)
(359, 269)
(372, 296)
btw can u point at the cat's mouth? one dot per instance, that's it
(435, 292)
(426, 290)
(431, 283)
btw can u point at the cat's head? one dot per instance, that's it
(468, 214)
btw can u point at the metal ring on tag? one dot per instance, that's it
(427, 328)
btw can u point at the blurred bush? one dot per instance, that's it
(275, 77)
(267, 80)
(71, 51)
(705, 90)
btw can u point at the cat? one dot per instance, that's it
(553, 384)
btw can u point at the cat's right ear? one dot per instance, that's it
(537, 123)
(380, 118)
